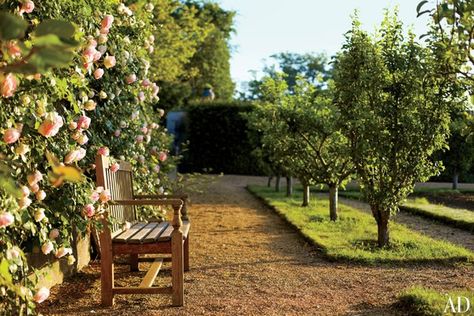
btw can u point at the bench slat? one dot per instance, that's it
(166, 235)
(126, 235)
(138, 237)
(156, 232)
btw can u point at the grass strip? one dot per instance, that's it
(353, 237)
(454, 217)
(419, 301)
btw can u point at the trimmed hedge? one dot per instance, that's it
(219, 140)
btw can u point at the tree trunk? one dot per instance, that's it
(269, 182)
(455, 180)
(333, 207)
(382, 218)
(289, 186)
(277, 184)
(305, 195)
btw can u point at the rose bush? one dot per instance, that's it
(53, 124)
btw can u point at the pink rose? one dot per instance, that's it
(34, 178)
(105, 196)
(89, 54)
(109, 62)
(27, 7)
(104, 151)
(83, 122)
(25, 191)
(6, 219)
(106, 24)
(72, 126)
(144, 130)
(162, 156)
(51, 125)
(146, 83)
(98, 73)
(13, 49)
(81, 153)
(63, 251)
(92, 43)
(47, 247)
(117, 133)
(139, 139)
(131, 78)
(94, 196)
(40, 195)
(89, 210)
(39, 215)
(54, 233)
(141, 96)
(24, 203)
(156, 168)
(114, 167)
(70, 157)
(82, 139)
(11, 135)
(97, 55)
(41, 295)
(155, 89)
(34, 187)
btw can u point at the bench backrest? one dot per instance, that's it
(120, 185)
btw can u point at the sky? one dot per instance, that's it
(266, 27)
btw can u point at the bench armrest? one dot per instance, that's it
(173, 202)
(176, 203)
(161, 196)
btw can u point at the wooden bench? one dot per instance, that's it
(142, 237)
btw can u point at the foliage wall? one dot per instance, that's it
(101, 102)
(219, 140)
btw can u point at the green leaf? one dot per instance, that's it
(11, 26)
(62, 29)
(420, 5)
(46, 40)
(4, 271)
(48, 57)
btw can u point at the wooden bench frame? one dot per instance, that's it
(177, 246)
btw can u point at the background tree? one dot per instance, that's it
(314, 67)
(453, 28)
(397, 114)
(201, 54)
(458, 158)
(302, 129)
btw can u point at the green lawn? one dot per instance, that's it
(420, 301)
(352, 238)
(456, 217)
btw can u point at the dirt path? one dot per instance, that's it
(426, 226)
(246, 261)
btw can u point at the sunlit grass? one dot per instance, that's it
(419, 301)
(353, 237)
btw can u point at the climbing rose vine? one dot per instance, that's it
(97, 97)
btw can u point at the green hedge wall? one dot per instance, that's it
(219, 139)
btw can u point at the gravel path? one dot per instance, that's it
(246, 261)
(426, 226)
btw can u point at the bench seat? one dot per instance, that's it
(142, 232)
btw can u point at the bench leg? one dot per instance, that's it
(186, 254)
(177, 267)
(133, 260)
(107, 278)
